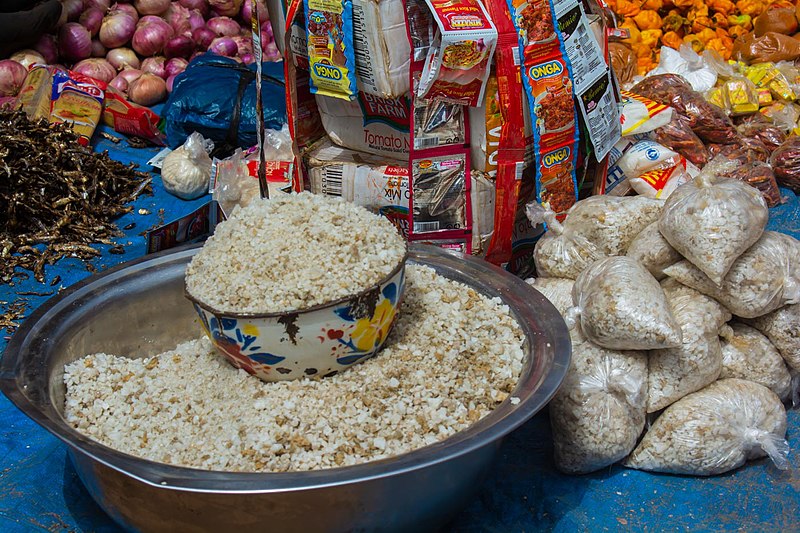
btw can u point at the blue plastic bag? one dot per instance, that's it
(216, 96)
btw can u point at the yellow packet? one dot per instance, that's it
(764, 97)
(742, 96)
(717, 96)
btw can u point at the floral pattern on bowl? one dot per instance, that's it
(320, 341)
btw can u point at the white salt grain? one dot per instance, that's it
(293, 252)
(437, 375)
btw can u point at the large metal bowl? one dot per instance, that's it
(139, 309)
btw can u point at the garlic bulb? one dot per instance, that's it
(186, 171)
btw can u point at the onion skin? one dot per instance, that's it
(46, 45)
(150, 39)
(155, 65)
(99, 69)
(122, 57)
(12, 77)
(117, 29)
(75, 42)
(224, 26)
(147, 90)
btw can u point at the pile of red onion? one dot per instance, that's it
(120, 43)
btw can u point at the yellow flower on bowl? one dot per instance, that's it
(368, 333)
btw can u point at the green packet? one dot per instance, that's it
(331, 53)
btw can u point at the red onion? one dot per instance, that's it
(12, 76)
(130, 74)
(224, 26)
(247, 11)
(28, 57)
(228, 8)
(46, 45)
(99, 69)
(170, 82)
(271, 52)
(122, 57)
(178, 17)
(72, 8)
(127, 8)
(155, 65)
(74, 42)
(91, 19)
(119, 83)
(196, 20)
(244, 44)
(175, 66)
(98, 50)
(180, 46)
(102, 5)
(248, 59)
(117, 29)
(8, 102)
(223, 46)
(149, 39)
(199, 5)
(203, 37)
(151, 7)
(147, 90)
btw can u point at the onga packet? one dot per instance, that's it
(331, 51)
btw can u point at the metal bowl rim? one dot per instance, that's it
(493, 427)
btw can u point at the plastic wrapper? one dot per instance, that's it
(777, 19)
(715, 430)
(785, 163)
(685, 62)
(611, 223)
(697, 362)
(563, 252)
(621, 306)
(783, 115)
(623, 61)
(660, 184)
(439, 193)
(718, 96)
(598, 413)
(559, 292)
(233, 185)
(742, 96)
(760, 176)
(641, 115)
(645, 156)
(677, 135)
(747, 354)
(712, 220)
(782, 328)
(653, 251)
(745, 151)
(759, 127)
(708, 121)
(763, 279)
(770, 47)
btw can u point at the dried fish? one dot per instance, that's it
(57, 198)
(10, 319)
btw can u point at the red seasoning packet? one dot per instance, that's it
(131, 119)
(460, 58)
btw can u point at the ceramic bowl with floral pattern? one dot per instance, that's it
(319, 341)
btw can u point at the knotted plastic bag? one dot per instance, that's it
(621, 306)
(712, 221)
(598, 413)
(782, 328)
(764, 278)
(562, 252)
(653, 251)
(559, 292)
(612, 222)
(715, 430)
(747, 354)
(697, 362)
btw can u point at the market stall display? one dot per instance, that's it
(634, 162)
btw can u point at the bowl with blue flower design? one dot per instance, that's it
(318, 341)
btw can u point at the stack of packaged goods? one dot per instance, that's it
(427, 120)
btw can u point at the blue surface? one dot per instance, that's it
(39, 489)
